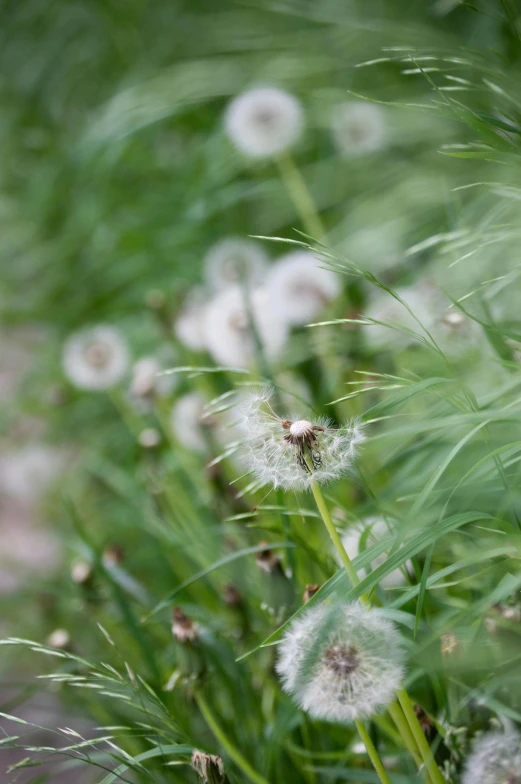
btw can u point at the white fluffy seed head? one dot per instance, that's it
(264, 122)
(341, 661)
(234, 260)
(27, 472)
(495, 759)
(300, 288)
(96, 358)
(188, 325)
(359, 128)
(187, 421)
(228, 334)
(274, 460)
(367, 533)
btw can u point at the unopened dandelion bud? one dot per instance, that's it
(183, 628)
(59, 638)
(495, 759)
(209, 767)
(293, 453)
(310, 591)
(341, 661)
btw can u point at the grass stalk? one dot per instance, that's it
(421, 741)
(225, 742)
(372, 752)
(300, 196)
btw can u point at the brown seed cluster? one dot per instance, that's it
(341, 659)
(302, 436)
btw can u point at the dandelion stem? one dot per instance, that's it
(399, 719)
(373, 754)
(421, 740)
(301, 197)
(335, 538)
(230, 749)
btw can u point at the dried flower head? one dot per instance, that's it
(183, 628)
(228, 331)
(300, 288)
(234, 260)
(367, 533)
(264, 122)
(310, 591)
(341, 661)
(209, 767)
(495, 759)
(359, 128)
(292, 453)
(95, 358)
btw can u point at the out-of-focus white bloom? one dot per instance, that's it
(149, 438)
(228, 331)
(146, 382)
(96, 358)
(59, 638)
(341, 661)
(234, 260)
(421, 299)
(495, 759)
(368, 532)
(358, 128)
(293, 453)
(188, 326)
(264, 122)
(27, 472)
(299, 288)
(187, 421)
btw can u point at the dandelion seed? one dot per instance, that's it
(95, 358)
(300, 288)
(359, 128)
(228, 330)
(341, 661)
(495, 759)
(369, 532)
(234, 260)
(292, 453)
(188, 326)
(264, 122)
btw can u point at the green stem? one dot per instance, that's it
(373, 754)
(230, 749)
(399, 719)
(421, 740)
(301, 197)
(335, 538)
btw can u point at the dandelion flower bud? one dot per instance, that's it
(341, 661)
(358, 128)
(234, 260)
(229, 333)
(293, 453)
(300, 288)
(95, 358)
(209, 767)
(264, 122)
(495, 759)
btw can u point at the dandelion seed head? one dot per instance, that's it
(27, 472)
(188, 325)
(359, 128)
(368, 532)
(495, 759)
(187, 421)
(235, 260)
(291, 454)
(264, 121)
(228, 333)
(95, 358)
(300, 288)
(341, 661)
